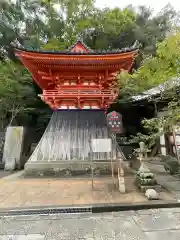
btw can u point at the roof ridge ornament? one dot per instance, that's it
(82, 48)
(136, 45)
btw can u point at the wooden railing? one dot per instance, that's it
(78, 92)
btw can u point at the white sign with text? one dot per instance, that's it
(101, 145)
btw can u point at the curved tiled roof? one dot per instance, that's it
(90, 51)
(155, 91)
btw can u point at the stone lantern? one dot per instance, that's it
(144, 177)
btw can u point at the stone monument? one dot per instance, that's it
(13, 148)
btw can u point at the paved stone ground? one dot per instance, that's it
(129, 225)
(4, 173)
(167, 181)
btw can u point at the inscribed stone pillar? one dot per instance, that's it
(163, 149)
(13, 147)
(163, 145)
(2, 136)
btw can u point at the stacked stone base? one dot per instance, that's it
(69, 168)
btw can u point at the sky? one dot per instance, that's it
(156, 5)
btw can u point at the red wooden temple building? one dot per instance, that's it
(73, 81)
(78, 78)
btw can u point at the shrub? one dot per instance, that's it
(172, 166)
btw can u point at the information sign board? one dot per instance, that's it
(114, 121)
(101, 145)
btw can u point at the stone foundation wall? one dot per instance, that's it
(68, 168)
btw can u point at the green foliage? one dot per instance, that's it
(153, 129)
(116, 28)
(152, 29)
(171, 164)
(153, 70)
(172, 167)
(107, 26)
(54, 44)
(16, 92)
(166, 158)
(55, 25)
(20, 22)
(59, 22)
(160, 69)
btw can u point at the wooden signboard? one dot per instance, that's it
(114, 121)
(101, 145)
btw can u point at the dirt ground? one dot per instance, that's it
(15, 191)
(43, 192)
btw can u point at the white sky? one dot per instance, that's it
(157, 5)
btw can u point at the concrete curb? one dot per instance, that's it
(98, 208)
(13, 176)
(95, 208)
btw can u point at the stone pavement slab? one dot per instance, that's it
(167, 181)
(176, 194)
(127, 229)
(172, 186)
(22, 237)
(158, 221)
(165, 235)
(158, 211)
(156, 168)
(152, 224)
(165, 178)
(73, 228)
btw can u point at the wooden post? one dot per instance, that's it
(113, 156)
(92, 177)
(92, 172)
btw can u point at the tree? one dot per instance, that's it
(67, 21)
(116, 28)
(34, 23)
(155, 70)
(151, 29)
(107, 27)
(55, 25)
(20, 23)
(16, 91)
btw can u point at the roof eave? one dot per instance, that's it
(129, 50)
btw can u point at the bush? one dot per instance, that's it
(171, 164)
(167, 158)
